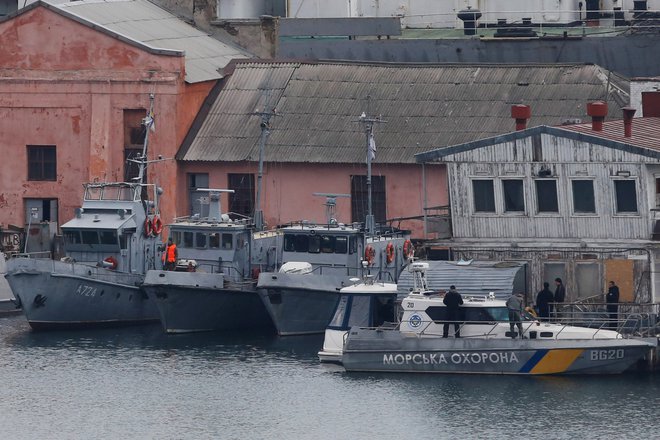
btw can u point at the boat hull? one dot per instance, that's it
(197, 302)
(392, 351)
(300, 304)
(57, 295)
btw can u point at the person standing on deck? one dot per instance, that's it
(170, 255)
(543, 300)
(612, 299)
(560, 295)
(514, 305)
(453, 300)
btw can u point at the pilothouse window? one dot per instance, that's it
(90, 237)
(72, 237)
(327, 244)
(108, 237)
(188, 239)
(227, 241)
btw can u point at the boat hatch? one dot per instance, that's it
(363, 311)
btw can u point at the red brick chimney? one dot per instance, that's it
(628, 113)
(597, 110)
(521, 113)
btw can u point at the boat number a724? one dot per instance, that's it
(606, 355)
(84, 290)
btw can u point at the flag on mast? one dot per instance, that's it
(372, 146)
(149, 121)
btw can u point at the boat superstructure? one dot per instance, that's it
(488, 342)
(214, 285)
(110, 244)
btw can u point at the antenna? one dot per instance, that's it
(331, 205)
(368, 124)
(215, 206)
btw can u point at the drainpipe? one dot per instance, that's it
(628, 113)
(597, 110)
(521, 113)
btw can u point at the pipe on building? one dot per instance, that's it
(628, 113)
(521, 113)
(597, 110)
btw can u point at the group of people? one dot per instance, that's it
(544, 299)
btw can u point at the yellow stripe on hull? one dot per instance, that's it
(556, 361)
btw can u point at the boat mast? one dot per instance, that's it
(265, 115)
(148, 123)
(368, 124)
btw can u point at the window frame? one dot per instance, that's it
(575, 213)
(536, 197)
(615, 199)
(473, 200)
(505, 209)
(42, 162)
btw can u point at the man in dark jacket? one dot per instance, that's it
(560, 291)
(453, 300)
(543, 300)
(612, 299)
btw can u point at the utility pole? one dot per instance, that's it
(265, 116)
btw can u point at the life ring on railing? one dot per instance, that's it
(156, 226)
(148, 227)
(408, 249)
(389, 253)
(112, 261)
(369, 255)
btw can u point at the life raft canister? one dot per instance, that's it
(389, 253)
(112, 261)
(148, 227)
(369, 255)
(156, 226)
(408, 249)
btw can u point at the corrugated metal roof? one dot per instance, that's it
(146, 23)
(476, 279)
(645, 132)
(425, 106)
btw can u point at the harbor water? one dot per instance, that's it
(139, 383)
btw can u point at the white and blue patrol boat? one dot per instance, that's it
(488, 344)
(110, 244)
(214, 284)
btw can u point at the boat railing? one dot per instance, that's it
(42, 255)
(630, 326)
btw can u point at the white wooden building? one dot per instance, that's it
(572, 202)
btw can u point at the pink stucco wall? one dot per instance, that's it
(65, 84)
(288, 189)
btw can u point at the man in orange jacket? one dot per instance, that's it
(170, 255)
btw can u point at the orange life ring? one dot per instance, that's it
(408, 249)
(148, 227)
(156, 226)
(389, 253)
(112, 261)
(369, 255)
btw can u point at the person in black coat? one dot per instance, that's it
(543, 300)
(453, 300)
(560, 291)
(612, 299)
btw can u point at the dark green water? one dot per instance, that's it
(138, 383)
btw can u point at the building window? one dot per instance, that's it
(484, 195)
(42, 162)
(134, 133)
(241, 201)
(584, 201)
(360, 198)
(626, 196)
(514, 196)
(546, 196)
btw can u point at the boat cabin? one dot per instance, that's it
(109, 229)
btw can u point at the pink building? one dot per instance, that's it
(75, 81)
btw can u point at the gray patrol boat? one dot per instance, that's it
(110, 244)
(319, 260)
(214, 284)
(488, 343)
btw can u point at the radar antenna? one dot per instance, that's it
(331, 205)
